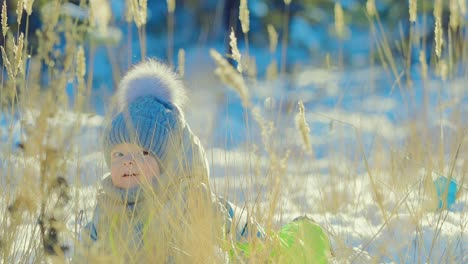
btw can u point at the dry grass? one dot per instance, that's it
(38, 199)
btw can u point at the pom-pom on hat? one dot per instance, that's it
(149, 101)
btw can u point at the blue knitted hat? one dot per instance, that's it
(149, 101)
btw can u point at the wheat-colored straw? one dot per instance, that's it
(443, 69)
(272, 70)
(439, 40)
(413, 7)
(19, 11)
(129, 10)
(462, 7)
(303, 128)
(181, 60)
(171, 5)
(4, 19)
(231, 77)
(422, 61)
(244, 16)
(142, 12)
(273, 37)
(339, 20)
(137, 11)
(80, 62)
(80, 74)
(370, 7)
(28, 6)
(438, 30)
(454, 14)
(235, 51)
(100, 13)
(267, 128)
(18, 51)
(7, 63)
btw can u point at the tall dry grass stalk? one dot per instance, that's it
(339, 20)
(384, 51)
(284, 42)
(171, 5)
(4, 19)
(455, 13)
(273, 37)
(19, 11)
(100, 15)
(28, 5)
(424, 67)
(181, 62)
(137, 12)
(303, 128)
(244, 18)
(272, 69)
(370, 8)
(18, 52)
(340, 28)
(37, 192)
(438, 30)
(231, 77)
(235, 51)
(413, 8)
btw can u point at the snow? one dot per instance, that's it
(357, 222)
(393, 222)
(333, 189)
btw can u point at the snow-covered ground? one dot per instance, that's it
(351, 120)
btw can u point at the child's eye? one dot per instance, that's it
(117, 154)
(145, 153)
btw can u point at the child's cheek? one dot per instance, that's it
(115, 166)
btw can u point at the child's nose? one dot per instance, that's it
(129, 161)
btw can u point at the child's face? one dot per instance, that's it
(132, 165)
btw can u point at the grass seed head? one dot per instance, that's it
(80, 62)
(28, 4)
(7, 63)
(235, 51)
(454, 14)
(422, 61)
(244, 16)
(370, 7)
(18, 51)
(100, 15)
(171, 5)
(273, 37)
(4, 19)
(462, 7)
(438, 36)
(143, 14)
(339, 20)
(19, 11)
(231, 77)
(181, 60)
(413, 7)
(303, 128)
(272, 71)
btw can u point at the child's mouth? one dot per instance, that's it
(130, 175)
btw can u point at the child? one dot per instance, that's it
(157, 199)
